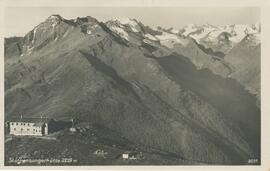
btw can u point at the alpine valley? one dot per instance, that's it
(179, 97)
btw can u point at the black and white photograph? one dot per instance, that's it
(132, 86)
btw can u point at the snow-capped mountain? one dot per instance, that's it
(201, 44)
(129, 29)
(208, 41)
(220, 38)
(156, 87)
(124, 27)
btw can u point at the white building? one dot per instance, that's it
(130, 155)
(125, 156)
(29, 126)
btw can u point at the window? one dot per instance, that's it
(14, 129)
(11, 123)
(21, 129)
(28, 124)
(28, 129)
(16, 123)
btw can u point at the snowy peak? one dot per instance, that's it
(252, 39)
(133, 24)
(55, 17)
(169, 39)
(118, 28)
(239, 32)
(130, 29)
(53, 20)
(211, 33)
(220, 38)
(188, 29)
(126, 21)
(125, 27)
(83, 20)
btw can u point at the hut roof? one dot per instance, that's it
(30, 120)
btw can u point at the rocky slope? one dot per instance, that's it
(245, 61)
(206, 46)
(141, 82)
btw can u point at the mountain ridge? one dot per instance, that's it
(129, 83)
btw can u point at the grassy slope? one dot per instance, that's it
(80, 146)
(245, 60)
(101, 80)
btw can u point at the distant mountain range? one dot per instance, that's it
(194, 92)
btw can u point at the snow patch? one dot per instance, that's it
(257, 39)
(253, 39)
(210, 33)
(155, 28)
(169, 40)
(65, 34)
(34, 35)
(121, 32)
(175, 31)
(89, 32)
(95, 26)
(54, 19)
(134, 29)
(132, 23)
(240, 31)
(29, 49)
(151, 37)
(54, 24)
(189, 29)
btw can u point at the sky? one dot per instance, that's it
(19, 20)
